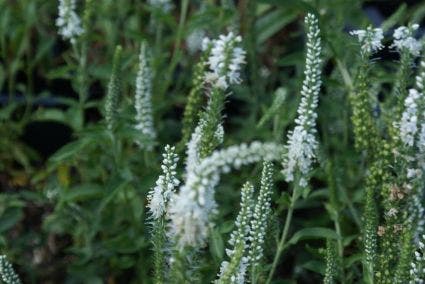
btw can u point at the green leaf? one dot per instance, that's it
(82, 192)
(226, 227)
(69, 150)
(273, 22)
(313, 233)
(315, 266)
(216, 245)
(9, 218)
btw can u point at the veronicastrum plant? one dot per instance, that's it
(192, 173)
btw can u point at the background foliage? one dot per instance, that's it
(72, 200)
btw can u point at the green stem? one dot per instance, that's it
(282, 245)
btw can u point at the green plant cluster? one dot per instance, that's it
(80, 210)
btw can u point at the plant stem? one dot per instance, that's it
(282, 244)
(177, 50)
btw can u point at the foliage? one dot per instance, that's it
(297, 135)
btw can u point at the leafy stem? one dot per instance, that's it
(282, 242)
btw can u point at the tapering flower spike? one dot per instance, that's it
(143, 99)
(233, 271)
(302, 142)
(191, 208)
(165, 185)
(260, 218)
(225, 60)
(114, 90)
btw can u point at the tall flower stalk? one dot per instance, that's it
(302, 143)
(365, 131)
(114, 90)
(259, 222)
(191, 208)
(159, 198)
(234, 271)
(225, 60)
(367, 140)
(143, 100)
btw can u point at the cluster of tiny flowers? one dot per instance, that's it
(243, 220)
(420, 78)
(261, 215)
(238, 240)
(404, 40)
(370, 39)
(194, 145)
(68, 22)
(194, 40)
(7, 273)
(421, 146)
(143, 103)
(191, 208)
(417, 266)
(302, 143)
(409, 120)
(225, 60)
(165, 185)
(114, 90)
(331, 265)
(164, 5)
(417, 214)
(239, 276)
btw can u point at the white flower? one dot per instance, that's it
(403, 39)
(392, 212)
(165, 186)
(194, 41)
(7, 273)
(420, 78)
(143, 96)
(191, 208)
(239, 277)
(421, 146)
(261, 215)
(164, 5)
(193, 147)
(68, 22)
(238, 241)
(417, 266)
(225, 60)
(370, 39)
(302, 143)
(409, 120)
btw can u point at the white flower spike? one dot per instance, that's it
(408, 125)
(165, 185)
(225, 60)
(404, 40)
(143, 98)
(190, 209)
(302, 142)
(68, 22)
(370, 39)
